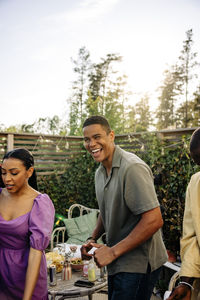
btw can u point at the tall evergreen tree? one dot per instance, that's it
(101, 79)
(79, 87)
(107, 95)
(196, 121)
(130, 119)
(180, 113)
(193, 111)
(169, 92)
(187, 62)
(97, 90)
(143, 114)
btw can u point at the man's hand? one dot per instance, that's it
(182, 292)
(103, 255)
(85, 249)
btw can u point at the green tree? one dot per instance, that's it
(92, 105)
(13, 128)
(100, 77)
(196, 109)
(28, 128)
(49, 125)
(130, 119)
(169, 91)
(79, 87)
(54, 126)
(74, 124)
(107, 94)
(143, 114)
(121, 94)
(187, 64)
(113, 113)
(180, 113)
(193, 110)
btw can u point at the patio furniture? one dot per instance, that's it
(78, 228)
(66, 289)
(171, 275)
(171, 285)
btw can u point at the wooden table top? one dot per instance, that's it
(67, 288)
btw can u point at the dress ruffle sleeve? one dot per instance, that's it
(41, 222)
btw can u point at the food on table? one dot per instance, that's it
(76, 261)
(76, 264)
(56, 259)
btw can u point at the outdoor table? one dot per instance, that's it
(66, 289)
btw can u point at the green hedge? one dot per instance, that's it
(76, 185)
(173, 165)
(170, 164)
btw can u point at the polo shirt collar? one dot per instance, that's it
(116, 161)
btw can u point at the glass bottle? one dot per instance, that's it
(85, 268)
(91, 271)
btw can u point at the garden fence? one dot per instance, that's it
(52, 153)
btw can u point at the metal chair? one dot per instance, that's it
(172, 284)
(59, 234)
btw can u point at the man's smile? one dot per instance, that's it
(96, 152)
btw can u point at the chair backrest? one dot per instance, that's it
(58, 235)
(173, 281)
(82, 209)
(172, 284)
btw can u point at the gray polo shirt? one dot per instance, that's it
(123, 197)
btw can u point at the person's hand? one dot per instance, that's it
(85, 249)
(103, 255)
(182, 292)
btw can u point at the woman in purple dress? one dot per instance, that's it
(26, 222)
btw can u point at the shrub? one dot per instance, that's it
(76, 185)
(172, 165)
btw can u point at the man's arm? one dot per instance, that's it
(97, 233)
(149, 223)
(183, 290)
(99, 229)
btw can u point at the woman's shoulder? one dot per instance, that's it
(42, 199)
(42, 205)
(41, 221)
(42, 202)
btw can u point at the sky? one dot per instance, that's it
(38, 38)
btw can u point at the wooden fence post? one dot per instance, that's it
(10, 142)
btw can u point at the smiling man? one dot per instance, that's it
(129, 214)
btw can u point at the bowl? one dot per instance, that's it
(76, 264)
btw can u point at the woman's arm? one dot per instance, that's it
(32, 273)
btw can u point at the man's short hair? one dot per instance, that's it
(98, 120)
(195, 146)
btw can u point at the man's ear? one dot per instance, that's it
(112, 135)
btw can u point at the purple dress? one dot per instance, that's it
(16, 237)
